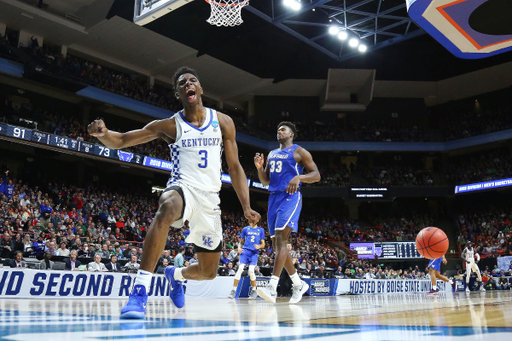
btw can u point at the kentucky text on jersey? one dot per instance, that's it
(201, 142)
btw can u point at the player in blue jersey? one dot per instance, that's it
(253, 239)
(283, 174)
(434, 267)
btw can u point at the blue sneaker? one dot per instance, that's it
(177, 294)
(136, 306)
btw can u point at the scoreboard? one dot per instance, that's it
(396, 250)
(73, 145)
(386, 250)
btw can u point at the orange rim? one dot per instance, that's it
(229, 5)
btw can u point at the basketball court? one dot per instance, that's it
(457, 316)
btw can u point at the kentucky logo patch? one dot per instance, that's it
(207, 241)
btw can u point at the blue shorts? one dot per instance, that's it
(283, 210)
(249, 257)
(435, 264)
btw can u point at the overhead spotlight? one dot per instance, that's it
(334, 30)
(293, 4)
(353, 42)
(330, 20)
(296, 6)
(343, 35)
(362, 48)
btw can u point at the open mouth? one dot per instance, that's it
(191, 94)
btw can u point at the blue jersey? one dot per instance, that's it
(252, 236)
(9, 191)
(282, 168)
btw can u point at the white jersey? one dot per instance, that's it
(196, 153)
(469, 255)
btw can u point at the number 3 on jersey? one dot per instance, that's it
(204, 164)
(276, 166)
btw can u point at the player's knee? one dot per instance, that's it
(169, 210)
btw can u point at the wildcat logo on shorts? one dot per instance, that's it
(207, 241)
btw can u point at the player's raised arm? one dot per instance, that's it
(116, 140)
(263, 174)
(238, 177)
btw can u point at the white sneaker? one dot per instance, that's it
(232, 294)
(267, 293)
(482, 288)
(298, 291)
(253, 295)
(467, 289)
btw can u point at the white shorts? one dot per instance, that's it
(203, 214)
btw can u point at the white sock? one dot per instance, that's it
(273, 282)
(234, 288)
(296, 279)
(178, 276)
(434, 287)
(144, 278)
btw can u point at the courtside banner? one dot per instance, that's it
(387, 286)
(27, 283)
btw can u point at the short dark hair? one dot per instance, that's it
(181, 71)
(289, 125)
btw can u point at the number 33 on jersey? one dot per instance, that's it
(196, 153)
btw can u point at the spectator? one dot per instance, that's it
(133, 264)
(112, 265)
(166, 255)
(161, 268)
(503, 283)
(6, 245)
(18, 261)
(97, 265)
(72, 263)
(231, 271)
(339, 273)
(27, 244)
(179, 260)
(62, 251)
(104, 253)
(46, 263)
(194, 259)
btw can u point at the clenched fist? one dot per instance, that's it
(97, 128)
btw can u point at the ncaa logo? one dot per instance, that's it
(215, 124)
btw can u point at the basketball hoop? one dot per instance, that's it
(226, 12)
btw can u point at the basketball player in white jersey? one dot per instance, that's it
(196, 136)
(469, 255)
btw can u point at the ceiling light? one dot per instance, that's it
(343, 35)
(353, 42)
(362, 48)
(334, 30)
(296, 6)
(288, 3)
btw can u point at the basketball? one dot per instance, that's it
(432, 242)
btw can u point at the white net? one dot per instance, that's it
(226, 12)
